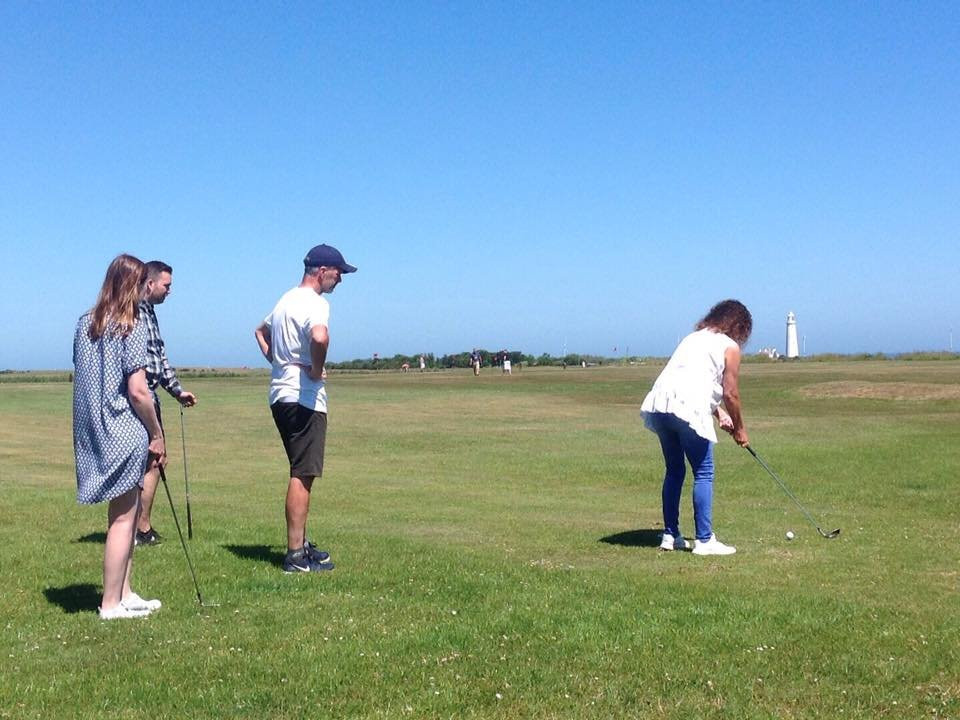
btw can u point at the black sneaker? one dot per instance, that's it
(299, 561)
(150, 537)
(316, 555)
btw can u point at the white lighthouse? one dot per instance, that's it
(792, 350)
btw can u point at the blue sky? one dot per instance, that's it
(536, 176)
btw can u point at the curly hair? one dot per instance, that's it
(116, 308)
(730, 317)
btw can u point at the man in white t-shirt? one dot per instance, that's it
(294, 337)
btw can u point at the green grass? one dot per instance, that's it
(495, 548)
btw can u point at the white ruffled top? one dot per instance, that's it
(691, 385)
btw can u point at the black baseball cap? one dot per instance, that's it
(327, 256)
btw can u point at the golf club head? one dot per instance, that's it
(831, 534)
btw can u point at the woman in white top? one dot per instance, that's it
(702, 373)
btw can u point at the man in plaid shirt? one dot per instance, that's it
(159, 374)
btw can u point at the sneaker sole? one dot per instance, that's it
(128, 614)
(316, 567)
(713, 554)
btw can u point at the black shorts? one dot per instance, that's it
(304, 433)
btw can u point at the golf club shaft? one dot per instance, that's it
(186, 482)
(196, 585)
(789, 494)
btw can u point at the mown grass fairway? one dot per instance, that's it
(495, 549)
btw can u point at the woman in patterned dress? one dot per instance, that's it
(116, 435)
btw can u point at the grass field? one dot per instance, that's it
(495, 542)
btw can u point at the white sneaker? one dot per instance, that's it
(121, 612)
(669, 542)
(135, 602)
(713, 547)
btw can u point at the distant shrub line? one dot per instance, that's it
(44, 376)
(489, 359)
(856, 357)
(462, 360)
(518, 359)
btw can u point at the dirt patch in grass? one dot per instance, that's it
(880, 390)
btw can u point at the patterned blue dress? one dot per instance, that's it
(109, 441)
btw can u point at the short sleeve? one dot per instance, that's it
(320, 312)
(135, 349)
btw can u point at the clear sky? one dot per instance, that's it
(537, 176)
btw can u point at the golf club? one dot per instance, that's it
(163, 476)
(186, 483)
(831, 534)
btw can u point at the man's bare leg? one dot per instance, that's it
(297, 508)
(150, 480)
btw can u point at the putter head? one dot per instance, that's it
(831, 534)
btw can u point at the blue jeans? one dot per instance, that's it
(677, 439)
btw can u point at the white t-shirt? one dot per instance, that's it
(290, 322)
(691, 385)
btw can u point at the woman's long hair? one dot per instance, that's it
(730, 317)
(116, 308)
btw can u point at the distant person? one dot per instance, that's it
(294, 338)
(159, 374)
(702, 373)
(116, 432)
(475, 361)
(423, 363)
(506, 368)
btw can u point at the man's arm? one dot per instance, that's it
(319, 342)
(171, 383)
(166, 376)
(262, 334)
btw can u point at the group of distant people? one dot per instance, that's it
(501, 358)
(120, 361)
(422, 362)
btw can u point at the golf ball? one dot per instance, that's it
(789, 534)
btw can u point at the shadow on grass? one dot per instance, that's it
(634, 538)
(262, 553)
(74, 598)
(94, 537)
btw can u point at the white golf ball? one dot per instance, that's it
(789, 534)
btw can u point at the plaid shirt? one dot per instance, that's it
(159, 371)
